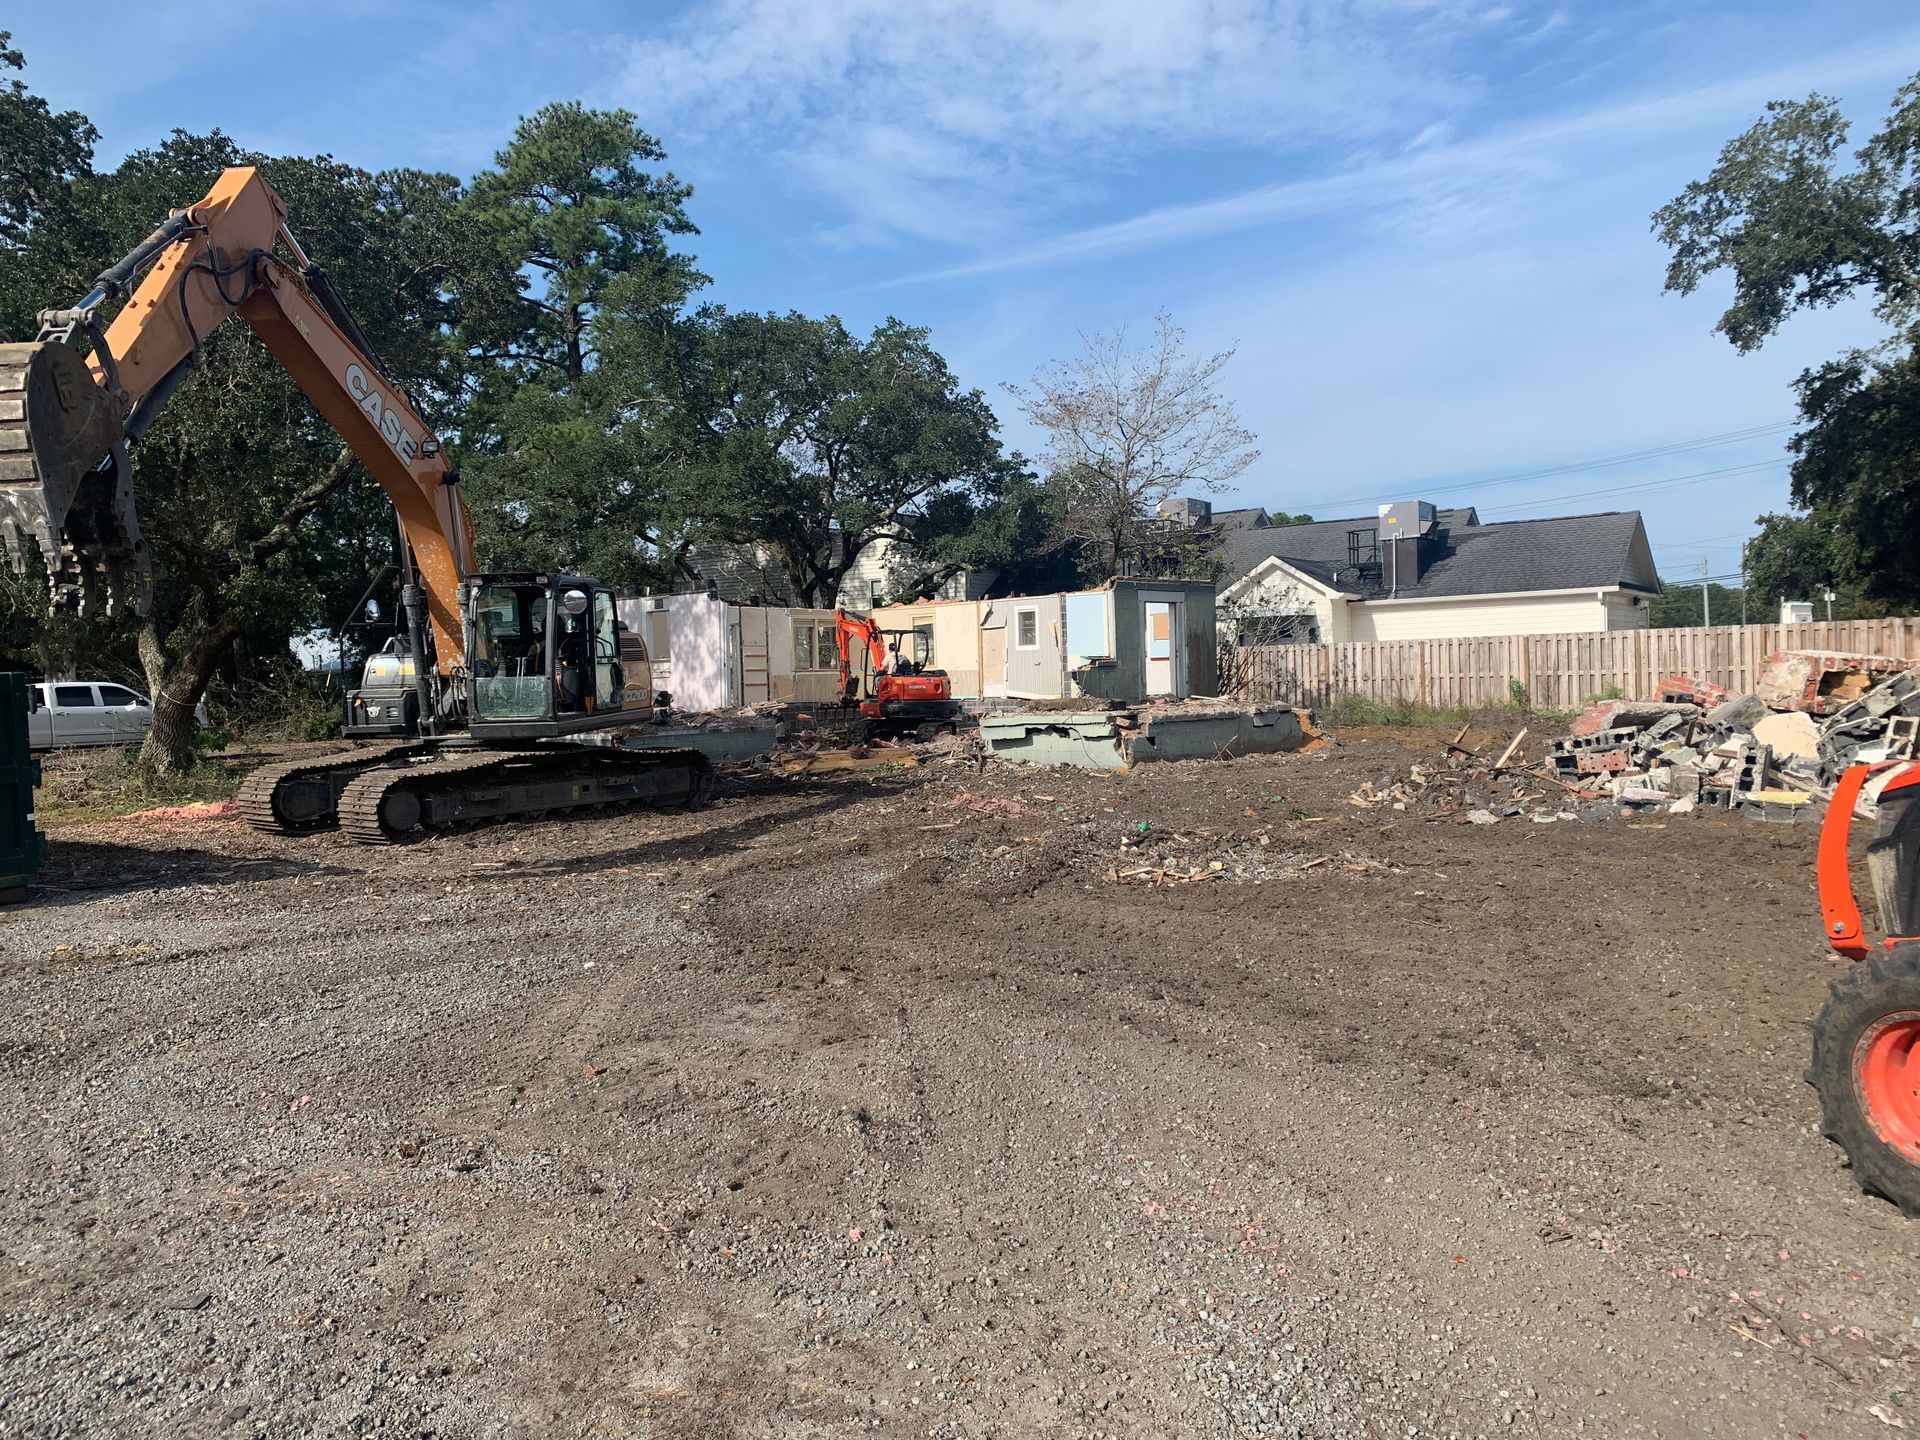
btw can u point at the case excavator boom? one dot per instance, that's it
(486, 662)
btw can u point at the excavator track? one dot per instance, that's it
(300, 795)
(448, 791)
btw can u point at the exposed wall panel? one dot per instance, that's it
(1038, 671)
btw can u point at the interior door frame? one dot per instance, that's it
(1177, 676)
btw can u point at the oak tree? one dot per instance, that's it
(1800, 222)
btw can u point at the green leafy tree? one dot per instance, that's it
(42, 154)
(1800, 223)
(573, 441)
(1681, 605)
(813, 443)
(1008, 534)
(1792, 558)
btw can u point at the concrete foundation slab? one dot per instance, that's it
(1119, 739)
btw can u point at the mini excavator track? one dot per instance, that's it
(452, 789)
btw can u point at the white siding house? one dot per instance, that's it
(1332, 581)
(869, 582)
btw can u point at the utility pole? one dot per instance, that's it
(1743, 580)
(1706, 601)
(1829, 604)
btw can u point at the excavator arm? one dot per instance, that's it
(851, 630)
(66, 422)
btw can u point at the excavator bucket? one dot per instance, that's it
(66, 487)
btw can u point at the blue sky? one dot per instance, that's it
(1424, 223)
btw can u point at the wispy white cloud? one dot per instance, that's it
(1440, 183)
(959, 120)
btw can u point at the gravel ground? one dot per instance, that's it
(939, 1104)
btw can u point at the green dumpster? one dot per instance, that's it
(22, 848)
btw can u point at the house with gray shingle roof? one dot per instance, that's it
(1415, 571)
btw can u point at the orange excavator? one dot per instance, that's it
(900, 693)
(494, 681)
(1866, 1041)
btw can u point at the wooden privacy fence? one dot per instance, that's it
(1560, 672)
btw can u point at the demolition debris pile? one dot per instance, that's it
(1768, 755)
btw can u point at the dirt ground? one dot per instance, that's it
(852, 1106)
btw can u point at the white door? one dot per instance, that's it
(1163, 647)
(125, 715)
(993, 661)
(78, 718)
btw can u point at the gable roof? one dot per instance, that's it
(1564, 552)
(1226, 521)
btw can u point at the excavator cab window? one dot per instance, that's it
(510, 653)
(909, 659)
(575, 646)
(607, 677)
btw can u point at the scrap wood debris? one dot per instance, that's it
(1244, 864)
(987, 804)
(1767, 755)
(808, 749)
(853, 757)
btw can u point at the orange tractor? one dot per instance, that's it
(1866, 1042)
(901, 693)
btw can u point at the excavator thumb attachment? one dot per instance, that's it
(66, 486)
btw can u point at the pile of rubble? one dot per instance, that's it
(1769, 755)
(1468, 787)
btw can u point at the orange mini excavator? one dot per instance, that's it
(1866, 1042)
(901, 693)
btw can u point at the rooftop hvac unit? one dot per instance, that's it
(1405, 518)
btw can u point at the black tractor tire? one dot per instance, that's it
(1876, 1003)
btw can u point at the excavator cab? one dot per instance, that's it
(543, 656)
(543, 659)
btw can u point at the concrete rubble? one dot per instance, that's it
(1771, 755)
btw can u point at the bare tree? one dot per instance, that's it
(1129, 428)
(1277, 615)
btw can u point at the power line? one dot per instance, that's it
(1707, 540)
(1693, 580)
(1729, 437)
(1698, 478)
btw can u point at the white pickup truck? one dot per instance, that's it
(89, 712)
